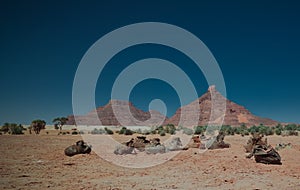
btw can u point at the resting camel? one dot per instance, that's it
(79, 148)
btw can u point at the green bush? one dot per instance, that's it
(199, 130)
(278, 131)
(12, 128)
(17, 129)
(74, 133)
(172, 131)
(108, 131)
(98, 131)
(162, 133)
(122, 131)
(128, 132)
(290, 127)
(188, 131)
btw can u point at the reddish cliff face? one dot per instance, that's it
(231, 114)
(118, 112)
(199, 112)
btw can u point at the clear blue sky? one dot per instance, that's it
(42, 42)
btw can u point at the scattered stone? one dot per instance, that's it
(283, 146)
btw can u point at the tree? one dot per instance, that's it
(37, 125)
(59, 122)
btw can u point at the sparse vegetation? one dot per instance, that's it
(98, 131)
(187, 131)
(12, 128)
(243, 130)
(59, 122)
(162, 133)
(108, 131)
(128, 132)
(199, 130)
(37, 125)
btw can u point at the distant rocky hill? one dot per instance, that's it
(235, 115)
(116, 113)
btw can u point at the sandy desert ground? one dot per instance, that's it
(38, 162)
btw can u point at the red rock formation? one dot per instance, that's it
(235, 115)
(118, 112)
(199, 112)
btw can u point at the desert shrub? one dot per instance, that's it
(289, 133)
(172, 131)
(170, 125)
(295, 133)
(179, 128)
(12, 128)
(162, 133)
(160, 128)
(128, 132)
(153, 132)
(264, 130)
(237, 130)
(56, 126)
(138, 131)
(64, 133)
(17, 129)
(167, 129)
(290, 127)
(199, 130)
(97, 131)
(108, 131)
(74, 133)
(170, 128)
(188, 131)
(146, 132)
(278, 131)
(211, 130)
(269, 131)
(122, 131)
(5, 128)
(253, 129)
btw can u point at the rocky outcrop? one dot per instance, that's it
(235, 115)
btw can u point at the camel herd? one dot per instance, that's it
(256, 146)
